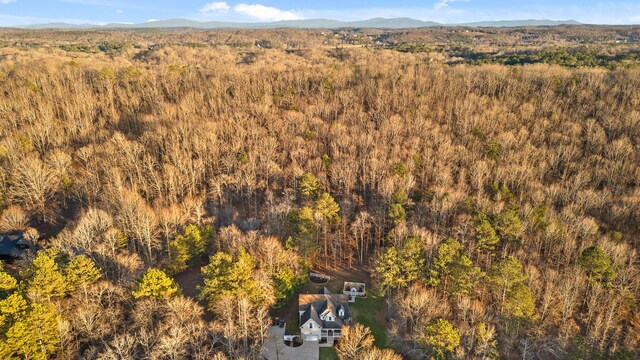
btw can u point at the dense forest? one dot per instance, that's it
(495, 206)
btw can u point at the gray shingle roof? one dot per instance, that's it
(313, 305)
(310, 313)
(13, 245)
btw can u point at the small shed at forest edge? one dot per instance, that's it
(13, 246)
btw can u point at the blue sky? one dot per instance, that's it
(20, 12)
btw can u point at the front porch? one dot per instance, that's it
(329, 336)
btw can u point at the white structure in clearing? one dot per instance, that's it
(354, 290)
(323, 315)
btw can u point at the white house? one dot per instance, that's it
(322, 315)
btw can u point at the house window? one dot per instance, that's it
(310, 325)
(341, 313)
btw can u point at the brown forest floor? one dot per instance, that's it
(189, 280)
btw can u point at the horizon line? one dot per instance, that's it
(435, 23)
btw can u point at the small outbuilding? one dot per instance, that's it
(13, 246)
(354, 290)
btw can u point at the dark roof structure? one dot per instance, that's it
(310, 313)
(316, 306)
(13, 246)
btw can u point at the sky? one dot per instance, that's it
(23, 12)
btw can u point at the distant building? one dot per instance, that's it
(13, 246)
(323, 315)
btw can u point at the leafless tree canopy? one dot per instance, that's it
(112, 152)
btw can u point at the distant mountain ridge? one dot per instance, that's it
(516, 23)
(382, 23)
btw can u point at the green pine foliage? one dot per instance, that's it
(187, 247)
(441, 337)
(303, 231)
(493, 150)
(486, 236)
(505, 273)
(400, 197)
(397, 210)
(520, 304)
(229, 275)
(33, 334)
(451, 266)
(156, 284)
(81, 272)
(509, 225)
(398, 267)
(13, 305)
(539, 217)
(397, 213)
(506, 279)
(44, 278)
(7, 282)
(326, 208)
(307, 223)
(465, 276)
(326, 160)
(447, 253)
(29, 323)
(308, 186)
(400, 169)
(597, 265)
(286, 283)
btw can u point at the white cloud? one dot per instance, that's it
(441, 4)
(6, 1)
(265, 13)
(119, 11)
(215, 7)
